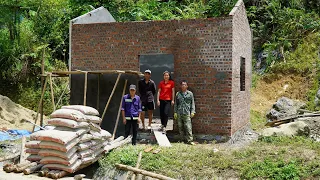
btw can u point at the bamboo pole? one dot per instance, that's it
(137, 165)
(40, 103)
(20, 169)
(112, 92)
(85, 88)
(32, 169)
(143, 172)
(52, 94)
(119, 111)
(42, 85)
(62, 94)
(98, 93)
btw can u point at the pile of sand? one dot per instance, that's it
(12, 115)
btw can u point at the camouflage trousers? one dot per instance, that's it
(185, 127)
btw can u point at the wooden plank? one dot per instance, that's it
(148, 149)
(289, 119)
(156, 151)
(161, 138)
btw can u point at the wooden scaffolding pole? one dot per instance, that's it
(42, 85)
(137, 165)
(52, 94)
(85, 88)
(40, 103)
(112, 92)
(143, 172)
(119, 111)
(98, 93)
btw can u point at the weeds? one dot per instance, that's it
(268, 158)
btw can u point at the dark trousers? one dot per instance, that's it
(134, 125)
(165, 106)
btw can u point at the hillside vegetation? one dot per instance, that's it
(285, 36)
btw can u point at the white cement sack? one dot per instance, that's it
(58, 160)
(93, 119)
(103, 135)
(59, 147)
(32, 144)
(88, 144)
(34, 158)
(95, 127)
(87, 110)
(85, 153)
(55, 153)
(97, 147)
(33, 151)
(71, 169)
(69, 114)
(88, 160)
(79, 131)
(85, 137)
(62, 137)
(98, 152)
(67, 123)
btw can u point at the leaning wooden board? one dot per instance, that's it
(161, 138)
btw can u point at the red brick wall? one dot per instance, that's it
(242, 47)
(202, 50)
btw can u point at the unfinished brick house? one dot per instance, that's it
(214, 55)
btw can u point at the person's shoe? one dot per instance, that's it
(161, 128)
(164, 131)
(191, 143)
(149, 127)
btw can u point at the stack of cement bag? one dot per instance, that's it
(76, 139)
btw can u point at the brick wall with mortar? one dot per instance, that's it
(242, 47)
(202, 50)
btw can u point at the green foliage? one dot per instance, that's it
(279, 26)
(302, 60)
(274, 169)
(257, 120)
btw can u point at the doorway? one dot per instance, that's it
(157, 63)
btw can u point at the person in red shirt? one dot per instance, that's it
(165, 99)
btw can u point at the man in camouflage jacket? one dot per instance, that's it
(184, 110)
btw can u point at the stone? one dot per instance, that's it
(284, 107)
(290, 129)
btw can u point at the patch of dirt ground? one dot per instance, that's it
(268, 91)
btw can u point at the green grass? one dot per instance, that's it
(257, 120)
(268, 158)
